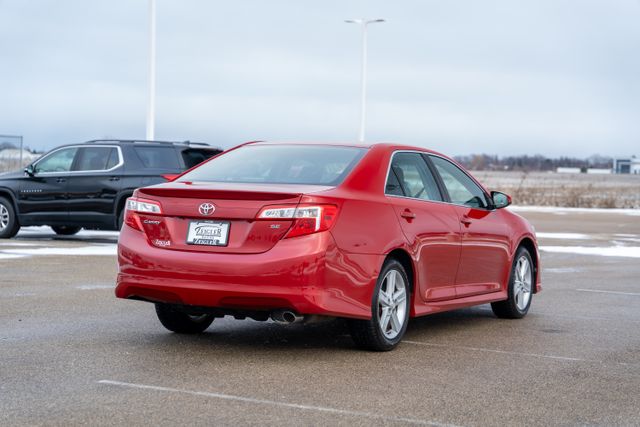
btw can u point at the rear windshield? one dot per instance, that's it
(280, 164)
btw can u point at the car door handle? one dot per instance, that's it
(114, 178)
(466, 220)
(408, 215)
(61, 180)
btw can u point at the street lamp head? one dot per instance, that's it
(373, 21)
(353, 21)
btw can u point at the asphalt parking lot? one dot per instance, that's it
(70, 353)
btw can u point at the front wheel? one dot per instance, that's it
(180, 322)
(520, 288)
(65, 230)
(9, 225)
(389, 311)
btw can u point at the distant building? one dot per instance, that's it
(631, 165)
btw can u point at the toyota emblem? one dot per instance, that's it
(206, 209)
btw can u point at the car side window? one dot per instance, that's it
(462, 190)
(410, 174)
(58, 161)
(93, 158)
(155, 157)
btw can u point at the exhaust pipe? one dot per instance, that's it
(286, 317)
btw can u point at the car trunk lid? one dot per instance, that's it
(218, 217)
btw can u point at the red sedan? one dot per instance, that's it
(376, 234)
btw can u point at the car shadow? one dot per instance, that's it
(326, 335)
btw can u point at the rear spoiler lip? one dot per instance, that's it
(168, 190)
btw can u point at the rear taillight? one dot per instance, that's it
(307, 219)
(135, 206)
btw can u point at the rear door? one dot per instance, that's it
(431, 226)
(43, 197)
(484, 260)
(93, 184)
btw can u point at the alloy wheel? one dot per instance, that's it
(4, 217)
(392, 309)
(522, 283)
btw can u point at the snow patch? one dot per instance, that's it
(564, 211)
(72, 251)
(9, 256)
(616, 251)
(570, 236)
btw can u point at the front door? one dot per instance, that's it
(431, 227)
(43, 197)
(484, 260)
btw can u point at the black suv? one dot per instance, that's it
(86, 185)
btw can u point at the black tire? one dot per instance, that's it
(120, 219)
(369, 334)
(180, 322)
(65, 230)
(514, 307)
(9, 225)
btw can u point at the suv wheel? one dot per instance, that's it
(9, 225)
(65, 230)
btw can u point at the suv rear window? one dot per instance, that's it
(155, 157)
(280, 164)
(194, 156)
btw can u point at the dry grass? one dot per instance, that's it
(565, 190)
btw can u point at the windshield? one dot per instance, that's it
(280, 164)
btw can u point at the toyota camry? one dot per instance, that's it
(376, 234)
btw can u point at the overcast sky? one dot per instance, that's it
(554, 77)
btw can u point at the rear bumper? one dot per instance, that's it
(309, 275)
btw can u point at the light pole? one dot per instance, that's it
(363, 73)
(151, 106)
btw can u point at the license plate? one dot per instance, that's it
(208, 233)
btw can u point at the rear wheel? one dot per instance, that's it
(9, 225)
(389, 311)
(65, 230)
(180, 322)
(520, 288)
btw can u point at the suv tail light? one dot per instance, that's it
(134, 206)
(307, 219)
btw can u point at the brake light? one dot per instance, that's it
(135, 206)
(170, 176)
(307, 219)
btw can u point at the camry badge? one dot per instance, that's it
(206, 209)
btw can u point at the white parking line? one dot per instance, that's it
(635, 294)
(489, 350)
(92, 287)
(276, 403)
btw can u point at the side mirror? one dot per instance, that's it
(30, 170)
(500, 200)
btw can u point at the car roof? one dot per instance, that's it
(359, 144)
(202, 145)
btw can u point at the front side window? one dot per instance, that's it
(409, 176)
(462, 190)
(58, 161)
(96, 158)
(280, 164)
